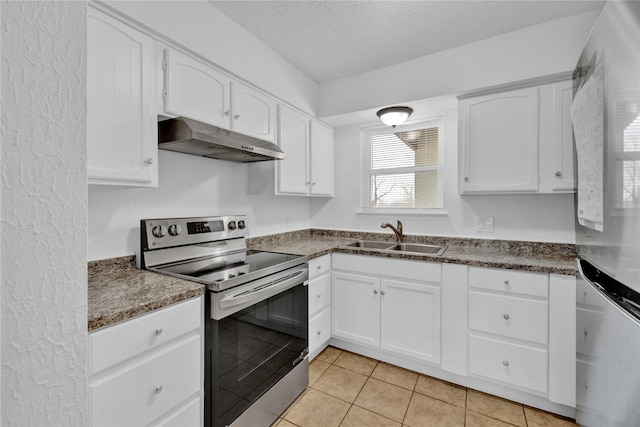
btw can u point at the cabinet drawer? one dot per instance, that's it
(119, 342)
(145, 391)
(319, 330)
(511, 317)
(514, 364)
(510, 281)
(318, 266)
(190, 415)
(319, 293)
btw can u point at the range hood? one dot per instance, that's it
(200, 139)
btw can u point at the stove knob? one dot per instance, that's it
(241, 225)
(232, 225)
(159, 231)
(175, 229)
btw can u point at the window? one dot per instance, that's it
(402, 167)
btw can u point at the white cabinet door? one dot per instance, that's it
(556, 139)
(321, 159)
(499, 142)
(122, 142)
(355, 308)
(293, 139)
(196, 91)
(254, 113)
(410, 319)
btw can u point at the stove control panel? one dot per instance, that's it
(169, 232)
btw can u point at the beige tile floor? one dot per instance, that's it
(349, 390)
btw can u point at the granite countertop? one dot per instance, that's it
(118, 290)
(556, 258)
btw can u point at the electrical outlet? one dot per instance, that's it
(484, 225)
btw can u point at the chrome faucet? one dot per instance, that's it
(396, 230)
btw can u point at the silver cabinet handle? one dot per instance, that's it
(375, 292)
(506, 317)
(236, 116)
(319, 267)
(558, 174)
(318, 332)
(318, 296)
(506, 283)
(158, 389)
(158, 332)
(505, 363)
(466, 179)
(148, 161)
(313, 183)
(227, 113)
(381, 292)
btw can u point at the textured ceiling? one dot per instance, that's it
(327, 40)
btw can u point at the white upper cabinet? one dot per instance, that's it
(499, 142)
(518, 141)
(321, 159)
(198, 91)
(195, 90)
(254, 113)
(293, 139)
(556, 139)
(307, 169)
(121, 120)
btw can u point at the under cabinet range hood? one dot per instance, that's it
(189, 136)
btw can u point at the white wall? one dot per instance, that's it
(539, 50)
(44, 214)
(188, 186)
(546, 218)
(201, 27)
(428, 84)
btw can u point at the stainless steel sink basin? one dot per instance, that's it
(415, 248)
(419, 248)
(370, 245)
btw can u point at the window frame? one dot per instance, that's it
(366, 172)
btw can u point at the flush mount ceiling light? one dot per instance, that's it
(394, 116)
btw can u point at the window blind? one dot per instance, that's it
(401, 168)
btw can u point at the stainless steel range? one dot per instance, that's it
(256, 320)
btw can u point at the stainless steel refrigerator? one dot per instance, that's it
(606, 120)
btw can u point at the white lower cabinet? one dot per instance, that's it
(319, 304)
(149, 370)
(390, 304)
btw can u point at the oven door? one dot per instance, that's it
(251, 349)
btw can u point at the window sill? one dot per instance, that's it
(404, 212)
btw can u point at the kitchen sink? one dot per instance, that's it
(419, 248)
(370, 245)
(414, 248)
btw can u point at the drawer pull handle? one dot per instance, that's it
(506, 317)
(375, 292)
(319, 267)
(158, 332)
(505, 363)
(158, 389)
(318, 333)
(506, 283)
(381, 292)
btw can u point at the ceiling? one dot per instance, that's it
(328, 40)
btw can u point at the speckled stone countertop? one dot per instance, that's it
(557, 258)
(118, 291)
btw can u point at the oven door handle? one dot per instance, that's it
(268, 288)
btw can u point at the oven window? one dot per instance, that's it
(253, 349)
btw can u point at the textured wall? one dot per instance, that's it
(44, 214)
